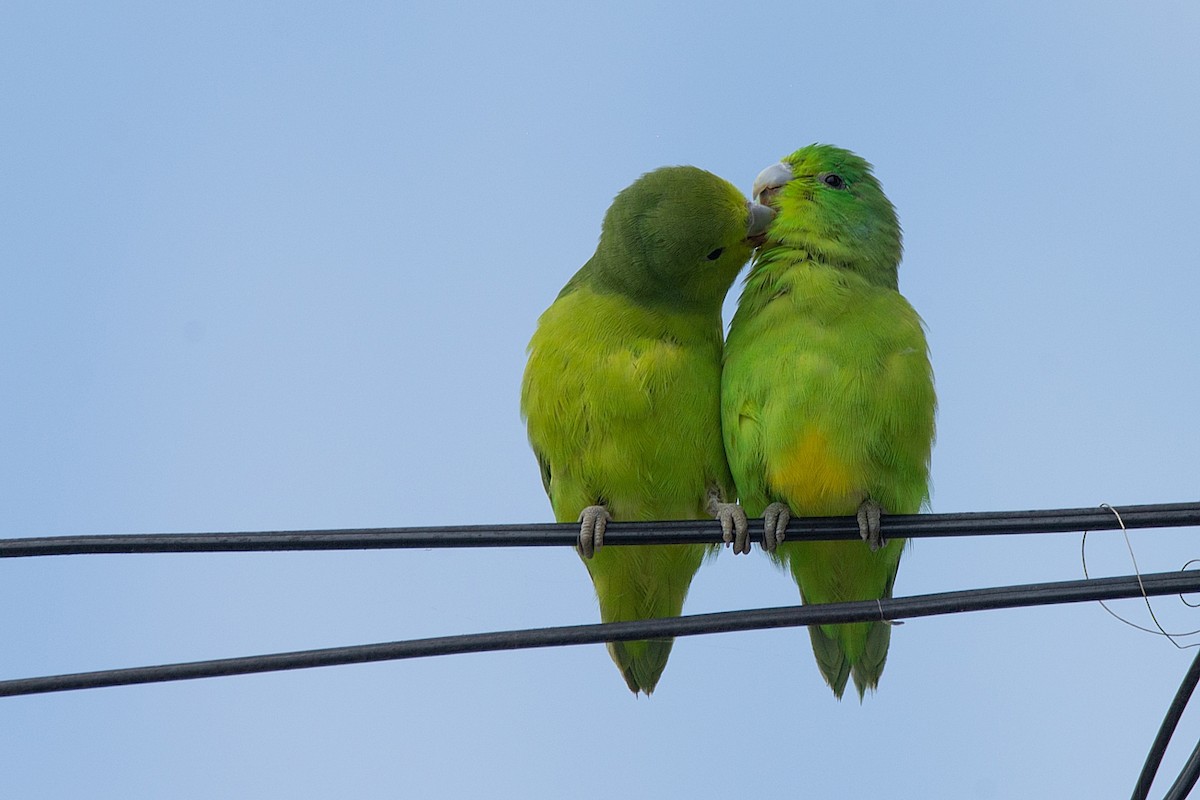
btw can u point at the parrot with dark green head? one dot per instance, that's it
(827, 392)
(621, 395)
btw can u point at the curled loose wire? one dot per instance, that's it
(1158, 629)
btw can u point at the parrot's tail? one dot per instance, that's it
(641, 663)
(869, 639)
(857, 650)
(831, 659)
(869, 667)
(643, 582)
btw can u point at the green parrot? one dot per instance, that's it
(621, 394)
(827, 398)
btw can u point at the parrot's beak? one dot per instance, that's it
(770, 181)
(760, 220)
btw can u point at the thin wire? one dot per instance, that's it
(911, 526)
(792, 616)
(1165, 731)
(1181, 597)
(1138, 572)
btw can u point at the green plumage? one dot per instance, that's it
(827, 390)
(621, 394)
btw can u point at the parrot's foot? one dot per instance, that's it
(775, 521)
(735, 527)
(592, 522)
(869, 514)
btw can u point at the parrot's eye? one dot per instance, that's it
(832, 180)
(715, 254)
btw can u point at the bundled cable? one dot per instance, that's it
(1187, 777)
(914, 526)
(791, 616)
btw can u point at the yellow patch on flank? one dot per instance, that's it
(813, 480)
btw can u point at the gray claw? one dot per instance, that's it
(775, 521)
(869, 528)
(592, 522)
(735, 527)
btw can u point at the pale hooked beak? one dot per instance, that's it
(760, 220)
(770, 181)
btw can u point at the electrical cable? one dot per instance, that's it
(912, 526)
(791, 616)
(1142, 790)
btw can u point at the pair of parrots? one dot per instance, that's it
(820, 403)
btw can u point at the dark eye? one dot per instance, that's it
(832, 180)
(715, 254)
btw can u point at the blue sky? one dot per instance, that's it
(273, 268)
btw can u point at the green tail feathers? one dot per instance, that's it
(856, 650)
(868, 669)
(645, 582)
(831, 659)
(836, 666)
(641, 663)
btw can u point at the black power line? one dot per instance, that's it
(1142, 790)
(791, 616)
(979, 523)
(1191, 769)
(1182, 786)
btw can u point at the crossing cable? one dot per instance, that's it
(1187, 777)
(1037, 594)
(913, 526)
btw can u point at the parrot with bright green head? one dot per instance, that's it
(827, 393)
(621, 395)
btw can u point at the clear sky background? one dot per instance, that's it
(275, 268)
